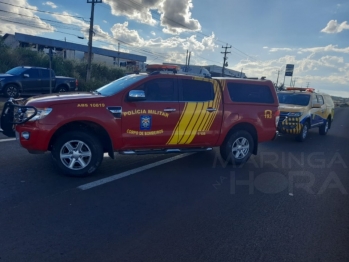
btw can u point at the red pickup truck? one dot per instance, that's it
(147, 114)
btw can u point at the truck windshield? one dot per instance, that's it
(16, 71)
(294, 99)
(120, 84)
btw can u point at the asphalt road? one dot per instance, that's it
(288, 203)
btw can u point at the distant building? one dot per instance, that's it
(213, 69)
(75, 51)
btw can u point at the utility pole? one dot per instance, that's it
(225, 57)
(50, 53)
(118, 54)
(308, 84)
(92, 2)
(186, 62)
(277, 80)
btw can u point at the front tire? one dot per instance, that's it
(77, 153)
(11, 90)
(304, 133)
(237, 149)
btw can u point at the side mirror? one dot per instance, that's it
(26, 75)
(316, 105)
(136, 95)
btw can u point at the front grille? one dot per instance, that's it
(283, 115)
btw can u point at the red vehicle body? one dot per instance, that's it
(131, 116)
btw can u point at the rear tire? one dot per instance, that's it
(238, 148)
(324, 128)
(304, 133)
(77, 153)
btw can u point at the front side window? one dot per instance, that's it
(196, 91)
(294, 99)
(250, 93)
(162, 89)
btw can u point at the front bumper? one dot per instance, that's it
(35, 138)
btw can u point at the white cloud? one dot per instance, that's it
(265, 47)
(122, 33)
(51, 4)
(320, 49)
(175, 16)
(105, 21)
(328, 48)
(328, 73)
(11, 23)
(153, 33)
(280, 49)
(333, 27)
(138, 10)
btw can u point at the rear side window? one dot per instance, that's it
(46, 73)
(250, 93)
(320, 100)
(33, 73)
(196, 91)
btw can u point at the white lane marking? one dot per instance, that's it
(8, 139)
(130, 172)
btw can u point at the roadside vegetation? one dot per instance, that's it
(101, 74)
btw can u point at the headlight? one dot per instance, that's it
(294, 114)
(42, 112)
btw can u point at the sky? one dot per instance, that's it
(262, 36)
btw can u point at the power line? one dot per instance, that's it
(41, 11)
(43, 28)
(39, 18)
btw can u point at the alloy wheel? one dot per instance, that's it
(75, 154)
(240, 148)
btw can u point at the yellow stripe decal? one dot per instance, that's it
(195, 118)
(198, 122)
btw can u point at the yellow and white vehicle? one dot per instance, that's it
(302, 109)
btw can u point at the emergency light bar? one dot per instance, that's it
(304, 89)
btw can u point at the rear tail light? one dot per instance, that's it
(277, 117)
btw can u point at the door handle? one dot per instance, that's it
(210, 109)
(169, 110)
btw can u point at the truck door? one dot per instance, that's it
(323, 110)
(200, 102)
(315, 112)
(152, 122)
(45, 79)
(31, 81)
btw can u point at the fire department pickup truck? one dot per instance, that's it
(146, 114)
